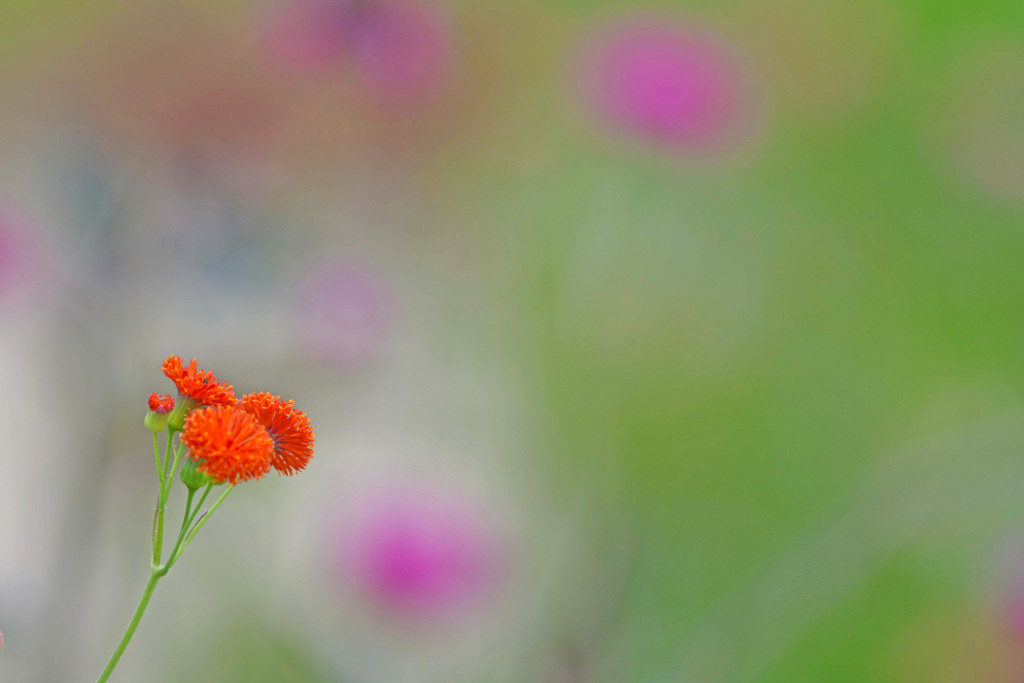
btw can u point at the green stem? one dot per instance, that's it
(156, 519)
(154, 576)
(158, 529)
(167, 457)
(199, 505)
(159, 465)
(181, 534)
(174, 470)
(161, 503)
(185, 536)
(200, 523)
(188, 510)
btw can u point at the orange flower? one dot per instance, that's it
(160, 403)
(228, 443)
(289, 428)
(198, 385)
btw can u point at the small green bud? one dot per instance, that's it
(155, 422)
(176, 418)
(192, 477)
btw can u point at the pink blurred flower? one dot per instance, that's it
(345, 310)
(18, 254)
(401, 49)
(678, 84)
(308, 35)
(415, 550)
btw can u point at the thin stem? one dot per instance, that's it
(159, 465)
(167, 457)
(174, 470)
(186, 533)
(188, 522)
(188, 510)
(158, 528)
(132, 625)
(181, 534)
(200, 523)
(156, 519)
(165, 488)
(185, 536)
(199, 505)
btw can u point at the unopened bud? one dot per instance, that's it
(176, 418)
(160, 406)
(192, 477)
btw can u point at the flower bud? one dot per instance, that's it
(160, 406)
(192, 477)
(176, 418)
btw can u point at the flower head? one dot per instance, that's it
(289, 428)
(228, 443)
(196, 384)
(160, 403)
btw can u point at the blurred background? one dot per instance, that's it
(676, 342)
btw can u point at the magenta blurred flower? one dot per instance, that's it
(678, 84)
(309, 35)
(345, 309)
(399, 49)
(18, 253)
(415, 550)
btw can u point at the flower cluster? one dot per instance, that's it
(231, 440)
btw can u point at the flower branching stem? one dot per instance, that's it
(192, 521)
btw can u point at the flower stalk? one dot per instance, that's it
(159, 568)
